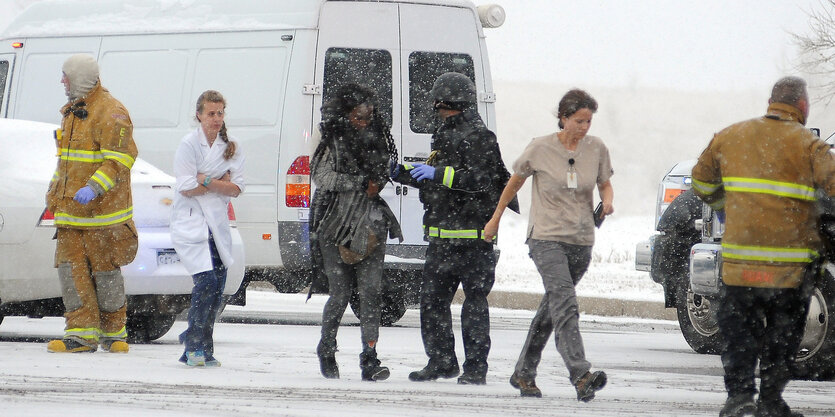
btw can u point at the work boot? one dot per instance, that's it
(68, 346)
(588, 384)
(472, 378)
(370, 366)
(432, 372)
(739, 405)
(115, 346)
(775, 408)
(526, 387)
(327, 361)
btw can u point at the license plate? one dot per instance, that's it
(167, 257)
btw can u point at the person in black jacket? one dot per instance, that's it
(350, 221)
(459, 186)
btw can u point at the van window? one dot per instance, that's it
(369, 67)
(152, 93)
(424, 68)
(4, 75)
(245, 77)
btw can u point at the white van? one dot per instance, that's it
(275, 62)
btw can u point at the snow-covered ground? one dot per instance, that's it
(611, 274)
(272, 370)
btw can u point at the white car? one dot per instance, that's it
(157, 284)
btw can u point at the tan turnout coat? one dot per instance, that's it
(764, 173)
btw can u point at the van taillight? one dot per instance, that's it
(47, 219)
(230, 212)
(297, 191)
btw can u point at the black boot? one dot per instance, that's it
(370, 366)
(327, 361)
(432, 372)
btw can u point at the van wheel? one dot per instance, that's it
(290, 282)
(145, 327)
(815, 358)
(697, 319)
(393, 306)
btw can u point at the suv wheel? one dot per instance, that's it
(697, 319)
(816, 357)
(145, 327)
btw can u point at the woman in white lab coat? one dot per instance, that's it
(209, 170)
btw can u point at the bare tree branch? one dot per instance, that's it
(817, 49)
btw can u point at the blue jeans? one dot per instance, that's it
(206, 299)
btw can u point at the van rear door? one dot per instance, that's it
(6, 67)
(366, 53)
(449, 43)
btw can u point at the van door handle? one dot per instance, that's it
(414, 159)
(397, 190)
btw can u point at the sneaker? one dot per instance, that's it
(116, 346)
(775, 408)
(68, 346)
(328, 366)
(211, 362)
(195, 358)
(472, 378)
(527, 388)
(432, 372)
(375, 373)
(588, 384)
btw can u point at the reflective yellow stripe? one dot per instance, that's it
(122, 158)
(64, 219)
(119, 334)
(90, 333)
(103, 180)
(408, 167)
(454, 234)
(762, 186)
(449, 173)
(718, 205)
(705, 187)
(81, 156)
(767, 254)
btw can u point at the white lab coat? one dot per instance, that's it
(193, 217)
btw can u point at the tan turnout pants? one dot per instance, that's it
(92, 286)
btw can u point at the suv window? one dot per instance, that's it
(424, 68)
(368, 67)
(4, 75)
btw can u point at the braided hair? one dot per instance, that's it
(335, 122)
(213, 96)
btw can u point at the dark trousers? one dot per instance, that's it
(206, 299)
(762, 323)
(473, 265)
(368, 274)
(561, 266)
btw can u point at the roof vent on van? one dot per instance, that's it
(491, 15)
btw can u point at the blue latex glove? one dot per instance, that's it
(85, 195)
(423, 172)
(394, 169)
(720, 214)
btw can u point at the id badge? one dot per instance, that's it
(571, 180)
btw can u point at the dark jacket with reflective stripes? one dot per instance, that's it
(469, 178)
(94, 149)
(764, 173)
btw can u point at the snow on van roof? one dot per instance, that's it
(98, 17)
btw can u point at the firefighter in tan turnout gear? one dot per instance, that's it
(90, 196)
(763, 174)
